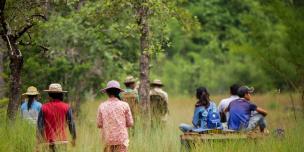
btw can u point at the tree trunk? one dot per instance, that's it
(144, 58)
(80, 4)
(16, 63)
(2, 83)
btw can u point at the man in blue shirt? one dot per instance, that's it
(245, 115)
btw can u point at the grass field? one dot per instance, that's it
(20, 137)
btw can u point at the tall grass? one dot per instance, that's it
(20, 136)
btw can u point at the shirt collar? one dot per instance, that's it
(55, 100)
(234, 96)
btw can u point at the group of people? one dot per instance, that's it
(114, 116)
(51, 118)
(236, 113)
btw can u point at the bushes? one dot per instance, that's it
(183, 75)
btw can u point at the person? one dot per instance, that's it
(114, 117)
(225, 103)
(240, 112)
(53, 117)
(130, 95)
(130, 83)
(31, 108)
(158, 102)
(204, 108)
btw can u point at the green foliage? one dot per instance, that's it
(213, 43)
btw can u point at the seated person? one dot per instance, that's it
(240, 112)
(205, 115)
(225, 103)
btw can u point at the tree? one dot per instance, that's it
(143, 22)
(12, 38)
(2, 83)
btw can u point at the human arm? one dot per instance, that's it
(71, 124)
(40, 124)
(227, 109)
(99, 119)
(261, 111)
(221, 111)
(196, 117)
(129, 118)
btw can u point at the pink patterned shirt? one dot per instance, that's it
(114, 117)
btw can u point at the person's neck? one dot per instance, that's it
(54, 100)
(31, 100)
(112, 97)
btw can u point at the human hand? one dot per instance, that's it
(73, 142)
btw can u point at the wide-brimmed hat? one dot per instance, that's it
(112, 84)
(31, 91)
(157, 82)
(55, 88)
(130, 79)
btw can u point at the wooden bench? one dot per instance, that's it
(191, 138)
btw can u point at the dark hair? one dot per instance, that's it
(58, 96)
(114, 92)
(203, 97)
(129, 84)
(243, 90)
(30, 101)
(234, 89)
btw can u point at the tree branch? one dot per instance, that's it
(24, 29)
(30, 23)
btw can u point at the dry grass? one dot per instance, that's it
(167, 139)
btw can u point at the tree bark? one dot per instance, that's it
(2, 83)
(16, 63)
(144, 87)
(80, 4)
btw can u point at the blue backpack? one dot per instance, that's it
(214, 120)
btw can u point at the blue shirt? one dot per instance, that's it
(240, 111)
(32, 113)
(200, 115)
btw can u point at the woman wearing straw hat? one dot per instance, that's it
(53, 117)
(114, 118)
(31, 108)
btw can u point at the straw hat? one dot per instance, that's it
(130, 79)
(55, 88)
(31, 91)
(157, 82)
(112, 84)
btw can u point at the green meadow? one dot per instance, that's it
(19, 136)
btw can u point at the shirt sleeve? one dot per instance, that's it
(40, 123)
(195, 120)
(252, 107)
(71, 123)
(129, 118)
(99, 119)
(39, 105)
